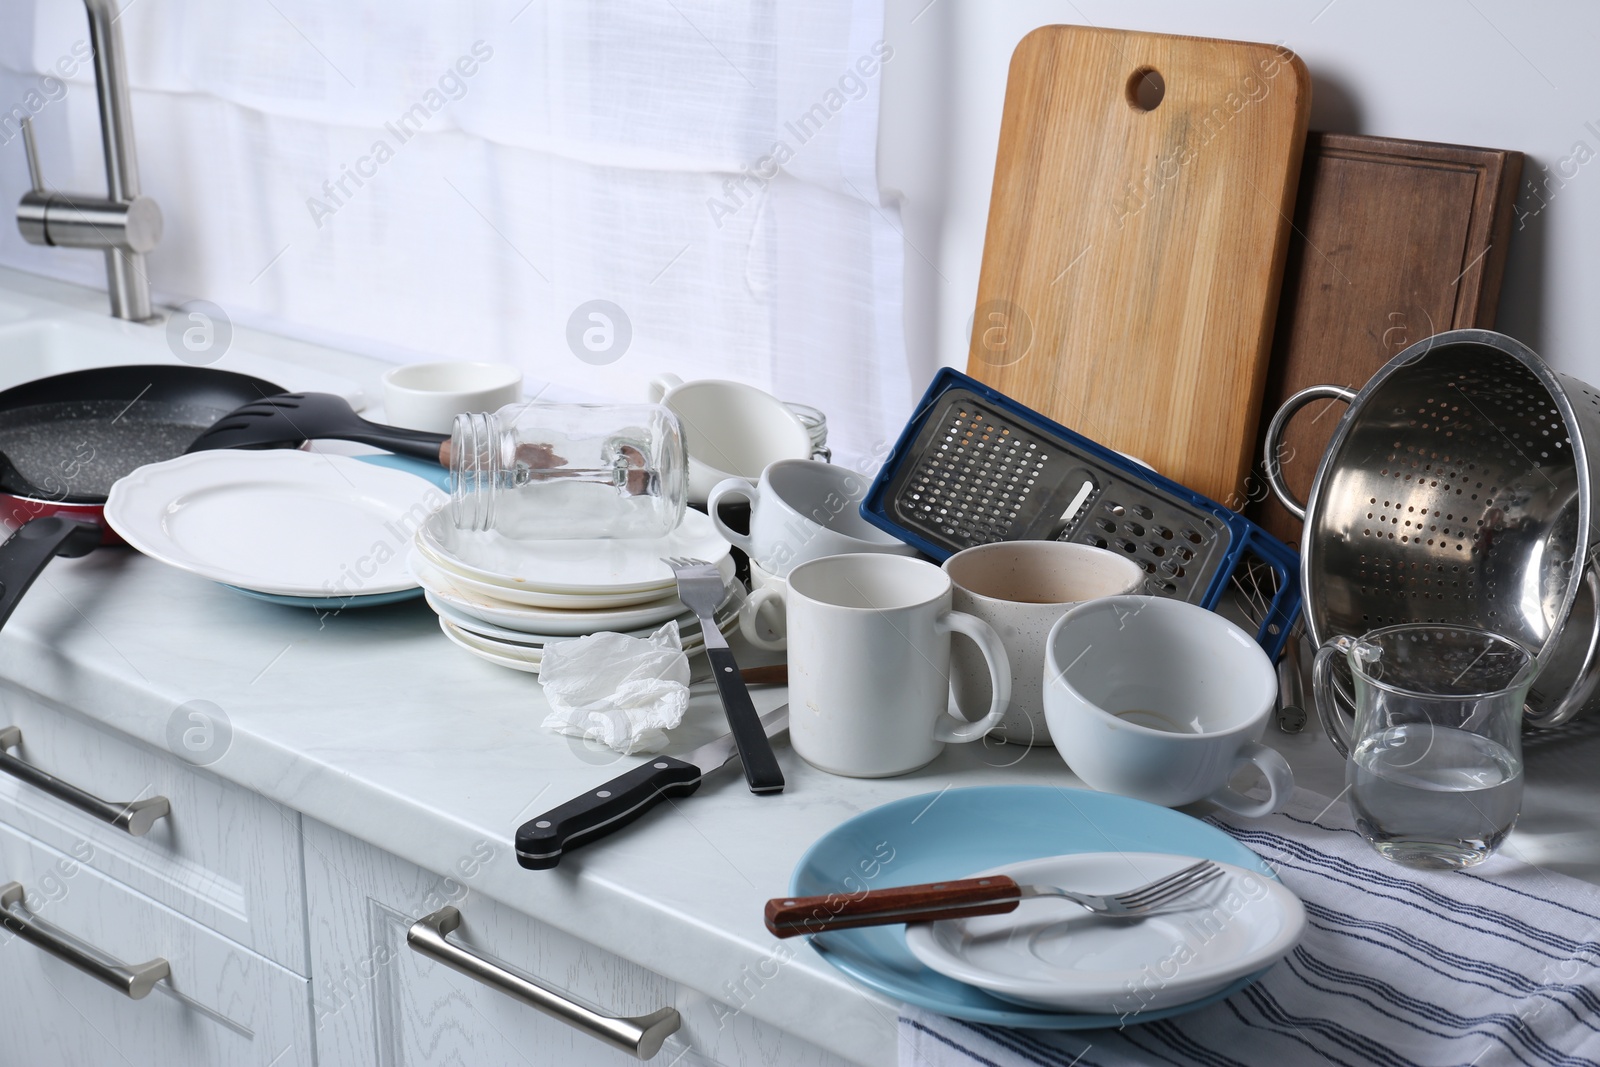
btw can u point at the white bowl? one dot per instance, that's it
(429, 396)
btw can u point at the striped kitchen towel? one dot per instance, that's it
(1499, 965)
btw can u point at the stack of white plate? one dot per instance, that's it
(505, 600)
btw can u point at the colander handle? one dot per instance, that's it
(1274, 446)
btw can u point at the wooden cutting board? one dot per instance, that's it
(1136, 239)
(1394, 241)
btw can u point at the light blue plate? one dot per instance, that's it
(962, 831)
(330, 603)
(431, 472)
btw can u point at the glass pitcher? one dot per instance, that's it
(535, 471)
(1434, 756)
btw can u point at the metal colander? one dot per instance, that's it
(1457, 489)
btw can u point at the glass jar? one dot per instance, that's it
(534, 471)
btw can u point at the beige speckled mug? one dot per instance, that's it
(1021, 588)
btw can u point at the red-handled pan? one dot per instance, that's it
(66, 439)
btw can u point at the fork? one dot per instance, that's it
(993, 894)
(701, 588)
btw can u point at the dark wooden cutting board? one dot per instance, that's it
(1393, 241)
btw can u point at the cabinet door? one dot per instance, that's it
(221, 1005)
(377, 1001)
(224, 856)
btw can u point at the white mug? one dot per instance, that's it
(429, 396)
(730, 430)
(1021, 588)
(1164, 701)
(802, 509)
(869, 665)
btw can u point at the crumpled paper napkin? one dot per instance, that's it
(623, 692)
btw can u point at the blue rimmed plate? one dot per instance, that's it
(958, 832)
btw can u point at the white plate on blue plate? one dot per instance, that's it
(952, 833)
(282, 522)
(1050, 953)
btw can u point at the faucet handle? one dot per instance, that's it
(31, 149)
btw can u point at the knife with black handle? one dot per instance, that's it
(541, 841)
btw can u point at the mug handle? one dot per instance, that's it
(1329, 707)
(1280, 782)
(751, 608)
(739, 488)
(994, 655)
(661, 385)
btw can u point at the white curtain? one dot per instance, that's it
(419, 180)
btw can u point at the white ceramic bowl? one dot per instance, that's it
(429, 396)
(730, 430)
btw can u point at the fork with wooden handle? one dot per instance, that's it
(993, 894)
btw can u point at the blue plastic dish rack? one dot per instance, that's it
(974, 466)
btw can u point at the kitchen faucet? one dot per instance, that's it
(123, 223)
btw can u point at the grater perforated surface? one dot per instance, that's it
(981, 476)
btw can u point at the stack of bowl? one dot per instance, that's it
(505, 601)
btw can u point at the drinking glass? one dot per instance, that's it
(1434, 757)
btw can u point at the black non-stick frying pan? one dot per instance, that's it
(66, 439)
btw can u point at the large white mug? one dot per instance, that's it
(869, 665)
(802, 509)
(730, 430)
(1021, 588)
(1164, 701)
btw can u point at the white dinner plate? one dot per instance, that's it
(522, 658)
(513, 601)
(1050, 953)
(284, 522)
(473, 599)
(584, 567)
(687, 623)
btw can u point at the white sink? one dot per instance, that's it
(40, 336)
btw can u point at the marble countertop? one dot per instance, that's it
(371, 722)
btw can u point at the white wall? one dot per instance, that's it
(1491, 73)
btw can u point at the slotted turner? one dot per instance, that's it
(290, 419)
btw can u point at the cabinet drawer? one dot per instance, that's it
(376, 1000)
(223, 856)
(233, 1007)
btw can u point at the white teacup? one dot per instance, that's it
(429, 396)
(763, 618)
(1021, 588)
(869, 665)
(1164, 701)
(730, 430)
(802, 509)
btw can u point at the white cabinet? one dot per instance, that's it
(232, 1007)
(224, 856)
(378, 1001)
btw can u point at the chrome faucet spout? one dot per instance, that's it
(125, 224)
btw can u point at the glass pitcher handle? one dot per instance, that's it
(1336, 720)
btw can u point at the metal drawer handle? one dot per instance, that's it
(134, 980)
(136, 816)
(641, 1036)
